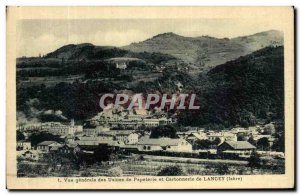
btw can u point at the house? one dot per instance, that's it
(89, 131)
(111, 117)
(228, 136)
(164, 144)
(86, 149)
(122, 136)
(223, 136)
(67, 148)
(23, 145)
(30, 155)
(235, 149)
(57, 128)
(236, 130)
(90, 146)
(69, 138)
(270, 138)
(196, 136)
(212, 136)
(47, 146)
(95, 141)
(121, 65)
(126, 136)
(184, 134)
(260, 136)
(106, 136)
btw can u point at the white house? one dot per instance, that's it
(121, 65)
(29, 155)
(32, 155)
(122, 136)
(23, 145)
(95, 130)
(127, 136)
(47, 146)
(57, 128)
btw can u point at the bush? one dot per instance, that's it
(172, 171)
(86, 174)
(141, 157)
(223, 170)
(254, 161)
(115, 172)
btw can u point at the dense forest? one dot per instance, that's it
(242, 91)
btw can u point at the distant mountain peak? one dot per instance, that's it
(167, 34)
(84, 44)
(207, 51)
(264, 33)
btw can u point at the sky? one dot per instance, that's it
(36, 37)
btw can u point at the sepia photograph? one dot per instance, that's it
(197, 99)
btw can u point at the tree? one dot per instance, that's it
(242, 137)
(163, 131)
(254, 161)
(206, 144)
(202, 144)
(279, 144)
(263, 144)
(269, 129)
(222, 169)
(216, 141)
(102, 153)
(43, 136)
(174, 170)
(252, 141)
(20, 136)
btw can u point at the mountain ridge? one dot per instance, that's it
(207, 51)
(198, 52)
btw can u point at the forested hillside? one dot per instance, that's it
(242, 91)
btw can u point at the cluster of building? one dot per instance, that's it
(133, 140)
(104, 129)
(103, 121)
(57, 128)
(255, 132)
(129, 118)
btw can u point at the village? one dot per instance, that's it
(115, 131)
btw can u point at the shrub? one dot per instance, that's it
(115, 172)
(254, 161)
(222, 170)
(86, 174)
(141, 157)
(173, 170)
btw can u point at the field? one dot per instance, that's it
(48, 81)
(149, 166)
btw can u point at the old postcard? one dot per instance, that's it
(150, 98)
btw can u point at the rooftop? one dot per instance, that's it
(46, 143)
(240, 145)
(160, 141)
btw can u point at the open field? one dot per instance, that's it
(48, 81)
(150, 166)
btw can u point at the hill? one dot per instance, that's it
(86, 51)
(238, 92)
(207, 51)
(242, 91)
(82, 58)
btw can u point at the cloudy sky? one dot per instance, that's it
(36, 37)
